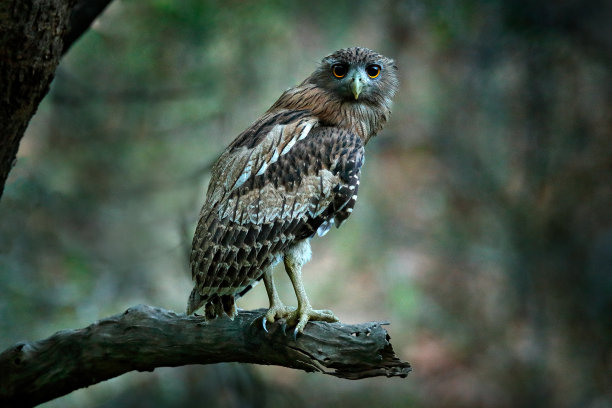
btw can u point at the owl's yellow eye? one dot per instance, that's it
(373, 71)
(339, 70)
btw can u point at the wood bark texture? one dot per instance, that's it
(143, 338)
(31, 33)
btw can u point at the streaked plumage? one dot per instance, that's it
(293, 173)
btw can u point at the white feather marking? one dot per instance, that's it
(274, 157)
(246, 173)
(305, 131)
(263, 168)
(324, 228)
(288, 146)
(349, 210)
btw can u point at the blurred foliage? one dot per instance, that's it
(483, 230)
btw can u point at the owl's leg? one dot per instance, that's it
(295, 258)
(277, 308)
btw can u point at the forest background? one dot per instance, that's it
(483, 231)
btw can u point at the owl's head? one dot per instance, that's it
(358, 75)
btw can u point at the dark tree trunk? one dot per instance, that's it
(31, 33)
(34, 34)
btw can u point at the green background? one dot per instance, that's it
(483, 231)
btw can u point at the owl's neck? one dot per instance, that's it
(364, 119)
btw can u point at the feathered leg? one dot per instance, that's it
(295, 258)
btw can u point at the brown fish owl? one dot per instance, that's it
(292, 174)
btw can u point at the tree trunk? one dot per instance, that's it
(31, 43)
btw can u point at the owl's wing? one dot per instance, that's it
(313, 182)
(261, 145)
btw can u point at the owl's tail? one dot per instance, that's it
(195, 301)
(214, 306)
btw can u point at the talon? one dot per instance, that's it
(295, 333)
(263, 323)
(284, 327)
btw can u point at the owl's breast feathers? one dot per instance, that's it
(280, 181)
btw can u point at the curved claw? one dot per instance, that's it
(295, 333)
(263, 323)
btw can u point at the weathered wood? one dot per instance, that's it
(143, 338)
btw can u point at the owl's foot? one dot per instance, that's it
(303, 316)
(276, 311)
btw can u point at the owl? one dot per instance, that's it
(292, 175)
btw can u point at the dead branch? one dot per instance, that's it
(143, 338)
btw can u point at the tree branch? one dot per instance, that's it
(143, 338)
(83, 14)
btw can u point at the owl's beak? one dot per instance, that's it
(356, 86)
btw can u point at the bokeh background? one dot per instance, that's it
(483, 231)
